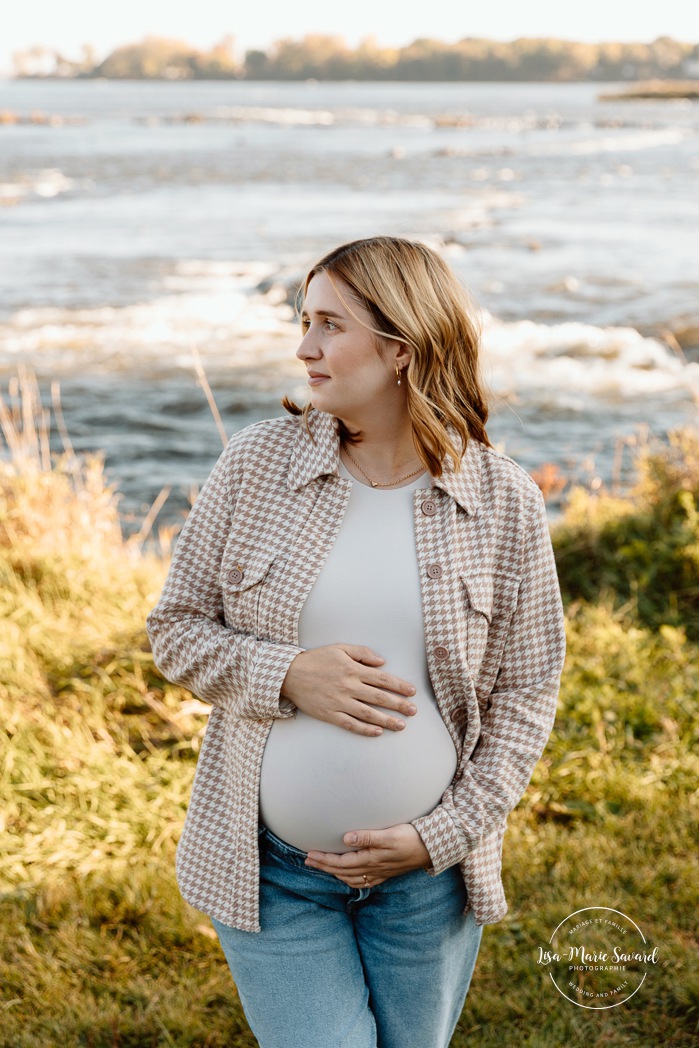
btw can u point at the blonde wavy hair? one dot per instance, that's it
(413, 296)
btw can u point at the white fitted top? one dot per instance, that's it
(318, 780)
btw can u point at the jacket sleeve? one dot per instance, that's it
(191, 643)
(520, 714)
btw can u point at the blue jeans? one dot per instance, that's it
(340, 967)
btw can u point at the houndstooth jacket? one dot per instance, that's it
(226, 626)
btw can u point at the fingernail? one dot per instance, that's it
(352, 838)
(412, 709)
(400, 725)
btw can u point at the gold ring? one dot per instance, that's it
(366, 880)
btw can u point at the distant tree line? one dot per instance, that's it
(328, 58)
(323, 57)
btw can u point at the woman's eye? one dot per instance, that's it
(305, 324)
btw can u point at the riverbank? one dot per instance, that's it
(99, 754)
(655, 89)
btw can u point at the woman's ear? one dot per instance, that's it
(403, 355)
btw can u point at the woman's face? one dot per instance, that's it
(347, 376)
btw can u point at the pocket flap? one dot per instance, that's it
(479, 588)
(245, 566)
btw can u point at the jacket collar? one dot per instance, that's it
(310, 460)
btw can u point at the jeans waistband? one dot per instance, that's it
(283, 848)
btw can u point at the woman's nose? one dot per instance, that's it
(308, 347)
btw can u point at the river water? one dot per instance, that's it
(142, 223)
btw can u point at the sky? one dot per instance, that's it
(68, 24)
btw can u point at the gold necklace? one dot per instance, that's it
(375, 483)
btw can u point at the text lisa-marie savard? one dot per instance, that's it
(581, 955)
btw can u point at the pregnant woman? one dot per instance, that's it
(365, 592)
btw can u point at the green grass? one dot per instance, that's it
(98, 755)
(643, 548)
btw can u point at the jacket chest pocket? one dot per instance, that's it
(244, 569)
(490, 600)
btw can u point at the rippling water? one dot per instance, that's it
(142, 220)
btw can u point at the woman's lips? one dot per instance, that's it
(313, 380)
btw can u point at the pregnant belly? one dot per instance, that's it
(318, 781)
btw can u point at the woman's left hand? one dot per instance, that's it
(379, 854)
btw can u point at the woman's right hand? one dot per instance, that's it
(337, 682)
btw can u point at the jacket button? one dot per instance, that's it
(441, 652)
(434, 571)
(456, 716)
(235, 575)
(429, 507)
